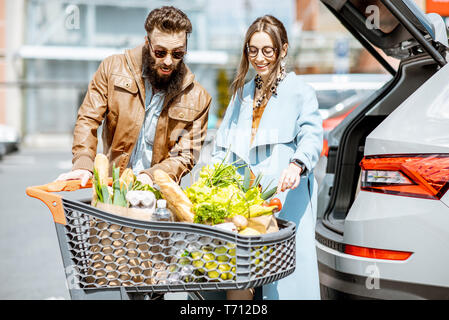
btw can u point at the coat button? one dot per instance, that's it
(127, 84)
(181, 115)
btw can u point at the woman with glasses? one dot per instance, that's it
(272, 124)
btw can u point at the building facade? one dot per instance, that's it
(49, 50)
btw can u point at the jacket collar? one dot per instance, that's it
(134, 59)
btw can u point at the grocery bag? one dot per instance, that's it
(264, 224)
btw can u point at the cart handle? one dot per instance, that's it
(54, 201)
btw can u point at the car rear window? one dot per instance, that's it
(370, 8)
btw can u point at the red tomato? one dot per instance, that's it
(276, 202)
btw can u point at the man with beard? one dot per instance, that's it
(154, 113)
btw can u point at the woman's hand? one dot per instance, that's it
(290, 178)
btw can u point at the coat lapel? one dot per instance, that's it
(241, 129)
(267, 131)
(276, 124)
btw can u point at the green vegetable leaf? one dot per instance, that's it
(258, 210)
(137, 185)
(209, 213)
(253, 196)
(119, 195)
(105, 194)
(266, 188)
(246, 179)
(97, 186)
(257, 180)
(186, 254)
(268, 194)
(156, 192)
(221, 192)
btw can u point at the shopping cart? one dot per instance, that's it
(107, 256)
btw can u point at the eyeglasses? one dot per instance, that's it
(176, 54)
(267, 51)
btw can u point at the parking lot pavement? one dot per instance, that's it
(31, 264)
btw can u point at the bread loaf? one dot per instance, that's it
(179, 203)
(101, 165)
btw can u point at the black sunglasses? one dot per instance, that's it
(176, 54)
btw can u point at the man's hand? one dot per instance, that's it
(83, 175)
(144, 179)
(290, 178)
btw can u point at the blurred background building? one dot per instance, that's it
(49, 50)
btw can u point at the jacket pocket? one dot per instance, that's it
(179, 124)
(125, 83)
(182, 113)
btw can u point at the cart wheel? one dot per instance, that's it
(155, 296)
(195, 295)
(146, 296)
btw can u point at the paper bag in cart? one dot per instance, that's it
(264, 224)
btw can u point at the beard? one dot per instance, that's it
(171, 83)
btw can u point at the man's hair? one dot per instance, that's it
(168, 19)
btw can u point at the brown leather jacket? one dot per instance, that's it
(116, 95)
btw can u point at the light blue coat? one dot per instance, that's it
(290, 127)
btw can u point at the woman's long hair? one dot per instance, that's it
(276, 30)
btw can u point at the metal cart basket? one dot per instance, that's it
(107, 256)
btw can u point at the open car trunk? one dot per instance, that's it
(400, 30)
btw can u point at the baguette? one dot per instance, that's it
(126, 178)
(176, 198)
(101, 165)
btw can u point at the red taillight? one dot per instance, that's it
(377, 253)
(422, 176)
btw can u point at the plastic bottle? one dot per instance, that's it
(162, 213)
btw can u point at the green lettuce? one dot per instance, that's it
(209, 213)
(253, 196)
(218, 194)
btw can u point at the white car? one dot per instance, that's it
(9, 140)
(338, 93)
(383, 215)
